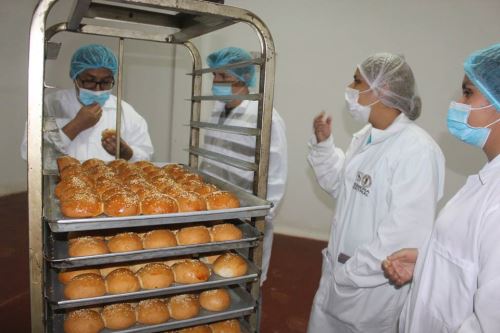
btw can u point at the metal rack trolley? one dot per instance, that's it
(192, 18)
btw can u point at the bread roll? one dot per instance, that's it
(190, 202)
(83, 321)
(67, 275)
(205, 189)
(116, 164)
(108, 133)
(121, 281)
(222, 200)
(226, 326)
(86, 246)
(125, 242)
(188, 177)
(71, 171)
(105, 185)
(122, 204)
(82, 205)
(85, 286)
(155, 239)
(173, 190)
(225, 232)
(152, 312)
(230, 265)
(77, 183)
(215, 300)
(118, 316)
(183, 306)
(144, 164)
(90, 163)
(155, 275)
(108, 269)
(158, 203)
(190, 271)
(66, 160)
(193, 235)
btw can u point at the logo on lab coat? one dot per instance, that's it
(362, 183)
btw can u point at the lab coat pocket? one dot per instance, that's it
(449, 296)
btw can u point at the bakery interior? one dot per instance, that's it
(318, 43)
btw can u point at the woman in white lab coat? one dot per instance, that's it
(456, 284)
(243, 113)
(387, 186)
(85, 111)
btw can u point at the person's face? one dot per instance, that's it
(473, 97)
(95, 79)
(227, 78)
(359, 83)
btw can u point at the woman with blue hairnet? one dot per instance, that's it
(85, 111)
(387, 186)
(243, 113)
(456, 279)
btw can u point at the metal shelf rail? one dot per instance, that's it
(188, 19)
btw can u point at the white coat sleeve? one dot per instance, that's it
(278, 166)
(137, 137)
(485, 317)
(327, 162)
(415, 189)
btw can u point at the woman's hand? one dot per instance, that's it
(399, 266)
(322, 127)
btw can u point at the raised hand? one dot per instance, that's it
(87, 117)
(322, 127)
(399, 266)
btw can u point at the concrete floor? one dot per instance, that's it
(287, 296)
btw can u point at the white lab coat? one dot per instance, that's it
(386, 190)
(63, 105)
(457, 279)
(243, 148)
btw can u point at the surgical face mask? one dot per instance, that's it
(222, 89)
(457, 120)
(359, 112)
(88, 97)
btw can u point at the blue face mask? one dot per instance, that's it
(222, 89)
(458, 115)
(88, 97)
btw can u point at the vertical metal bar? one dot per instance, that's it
(119, 97)
(36, 66)
(196, 85)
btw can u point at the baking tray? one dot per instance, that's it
(55, 289)
(242, 304)
(56, 250)
(251, 206)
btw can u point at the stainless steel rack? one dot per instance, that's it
(187, 19)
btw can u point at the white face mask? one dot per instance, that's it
(359, 112)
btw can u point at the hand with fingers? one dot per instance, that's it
(399, 266)
(322, 127)
(109, 144)
(87, 117)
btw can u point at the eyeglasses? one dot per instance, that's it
(92, 84)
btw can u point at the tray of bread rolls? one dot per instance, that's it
(72, 250)
(219, 310)
(97, 195)
(111, 283)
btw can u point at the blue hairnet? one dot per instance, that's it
(231, 55)
(90, 57)
(483, 69)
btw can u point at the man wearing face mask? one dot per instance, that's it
(85, 111)
(387, 185)
(243, 113)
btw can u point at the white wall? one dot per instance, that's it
(318, 44)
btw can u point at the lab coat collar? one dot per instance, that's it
(219, 106)
(491, 169)
(378, 135)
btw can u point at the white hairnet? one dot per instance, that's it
(391, 78)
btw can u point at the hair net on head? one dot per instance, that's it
(231, 55)
(90, 57)
(391, 78)
(483, 69)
